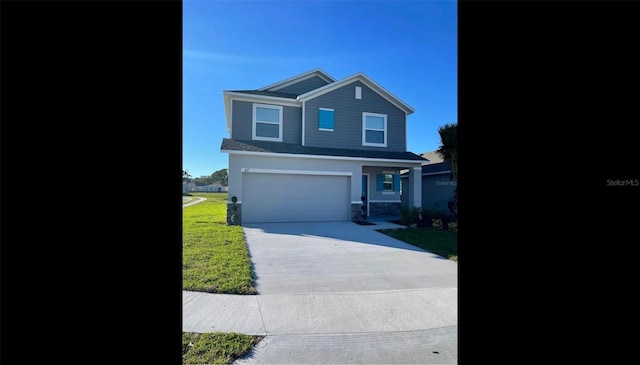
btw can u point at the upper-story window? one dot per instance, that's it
(267, 122)
(325, 119)
(374, 129)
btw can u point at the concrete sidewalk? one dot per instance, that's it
(187, 201)
(337, 293)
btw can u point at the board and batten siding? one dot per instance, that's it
(348, 111)
(304, 86)
(242, 119)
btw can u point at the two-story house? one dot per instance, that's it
(310, 147)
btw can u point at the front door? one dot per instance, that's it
(365, 189)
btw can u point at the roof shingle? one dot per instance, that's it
(278, 147)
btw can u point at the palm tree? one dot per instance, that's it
(448, 150)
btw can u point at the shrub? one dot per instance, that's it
(409, 216)
(453, 227)
(436, 224)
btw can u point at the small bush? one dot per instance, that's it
(429, 214)
(436, 224)
(409, 216)
(453, 227)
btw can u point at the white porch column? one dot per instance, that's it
(415, 186)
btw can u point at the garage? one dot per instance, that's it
(285, 197)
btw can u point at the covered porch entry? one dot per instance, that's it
(381, 191)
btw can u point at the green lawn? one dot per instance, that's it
(443, 243)
(215, 257)
(215, 348)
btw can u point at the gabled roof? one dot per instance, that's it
(296, 149)
(292, 80)
(269, 94)
(365, 80)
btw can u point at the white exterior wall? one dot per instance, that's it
(239, 162)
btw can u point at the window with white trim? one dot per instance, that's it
(267, 122)
(325, 119)
(374, 129)
(387, 182)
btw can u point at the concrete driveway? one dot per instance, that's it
(338, 292)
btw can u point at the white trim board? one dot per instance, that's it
(385, 201)
(262, 99)
(295, 172)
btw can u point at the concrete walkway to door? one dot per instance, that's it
(337, 292)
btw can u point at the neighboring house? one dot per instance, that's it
(437, 187)
(309, 147)
(198, 187)
(215, 187)
(194, 186)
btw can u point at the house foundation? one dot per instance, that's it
(384, 209)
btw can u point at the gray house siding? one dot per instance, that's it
(437, 191)
(304, 86)
(292, 128)
(242, 119)
(348, 119)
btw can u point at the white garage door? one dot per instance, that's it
(270, 197)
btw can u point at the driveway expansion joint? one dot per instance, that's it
(360, 333)
(264, 328)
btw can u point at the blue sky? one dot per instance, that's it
(408, 47)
